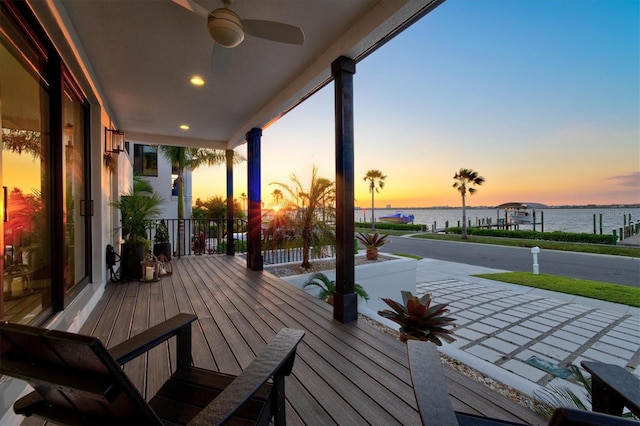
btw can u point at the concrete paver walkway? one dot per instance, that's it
(523, 337)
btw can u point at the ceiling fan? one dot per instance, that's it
(228, 30)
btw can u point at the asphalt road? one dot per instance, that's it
(606, 268)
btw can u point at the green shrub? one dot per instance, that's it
(568, 237)
(240, 246)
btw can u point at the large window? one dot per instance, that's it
(44, 238)
(145, 160)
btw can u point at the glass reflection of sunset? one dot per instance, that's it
(21, 171)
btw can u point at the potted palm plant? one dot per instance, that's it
(371, 242)
(137, 208)
(161, 241)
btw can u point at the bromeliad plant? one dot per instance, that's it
(419, 320)
(328, 287)
(371, 242)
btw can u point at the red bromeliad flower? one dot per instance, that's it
(419, 320)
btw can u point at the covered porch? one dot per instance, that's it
(343, 374)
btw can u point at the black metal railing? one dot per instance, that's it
(201, 236)
(294, 254)
(209, 236)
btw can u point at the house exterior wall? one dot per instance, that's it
(163, 184)
(106, 185)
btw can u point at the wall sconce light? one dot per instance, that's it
(68, 134)
(113, 141)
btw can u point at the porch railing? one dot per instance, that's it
(209, 236)
(201, 236)
(294, 254)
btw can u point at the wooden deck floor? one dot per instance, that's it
(344, 374)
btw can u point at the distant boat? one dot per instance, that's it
(397, 217)
(521, 218)
(517, 213)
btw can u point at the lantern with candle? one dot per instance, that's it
(150, 268)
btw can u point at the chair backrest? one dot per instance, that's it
(76, 380)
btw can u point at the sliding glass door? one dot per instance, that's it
(45, 208)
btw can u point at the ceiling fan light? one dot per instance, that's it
(225, 28)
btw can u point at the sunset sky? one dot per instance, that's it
(541, 97)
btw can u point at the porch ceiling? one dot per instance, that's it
(142, 53)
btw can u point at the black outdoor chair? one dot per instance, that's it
(78, 381)
(613, 389)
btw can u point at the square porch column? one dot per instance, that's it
(345, 302)
(254, 225)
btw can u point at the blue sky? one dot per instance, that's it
(541, 97)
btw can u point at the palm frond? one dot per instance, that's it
(548, 399)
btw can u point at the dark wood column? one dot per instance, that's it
(345, 302)
(229, 158)
(254, 237)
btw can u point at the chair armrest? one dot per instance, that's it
(429, 384)
(564, 416)
(179, 325)
(613, 388)
(276, 359)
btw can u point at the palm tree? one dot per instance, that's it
(243, 197)
(305, 204)
(376, 182)
(464, 181)
(184, 157)
(277, 197)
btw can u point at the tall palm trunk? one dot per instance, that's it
(306, 247)
(180, 246)
(373, 220)
(464, 218)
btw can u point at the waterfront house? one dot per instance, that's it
(89, 85)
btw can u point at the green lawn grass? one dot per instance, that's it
(547, 245)
(592, 289)
(519, 242)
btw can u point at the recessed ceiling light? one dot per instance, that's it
(196, 80)
(184, 126)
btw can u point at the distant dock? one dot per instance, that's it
(632, 241)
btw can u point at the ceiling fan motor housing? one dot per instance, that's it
(225, 27)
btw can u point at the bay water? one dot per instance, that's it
(567, 219)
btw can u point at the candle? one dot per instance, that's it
(148, 275)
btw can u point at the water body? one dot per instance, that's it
(555, 219)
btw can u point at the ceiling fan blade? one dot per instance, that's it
(193, 7)
(275, 31)
(220, 59)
